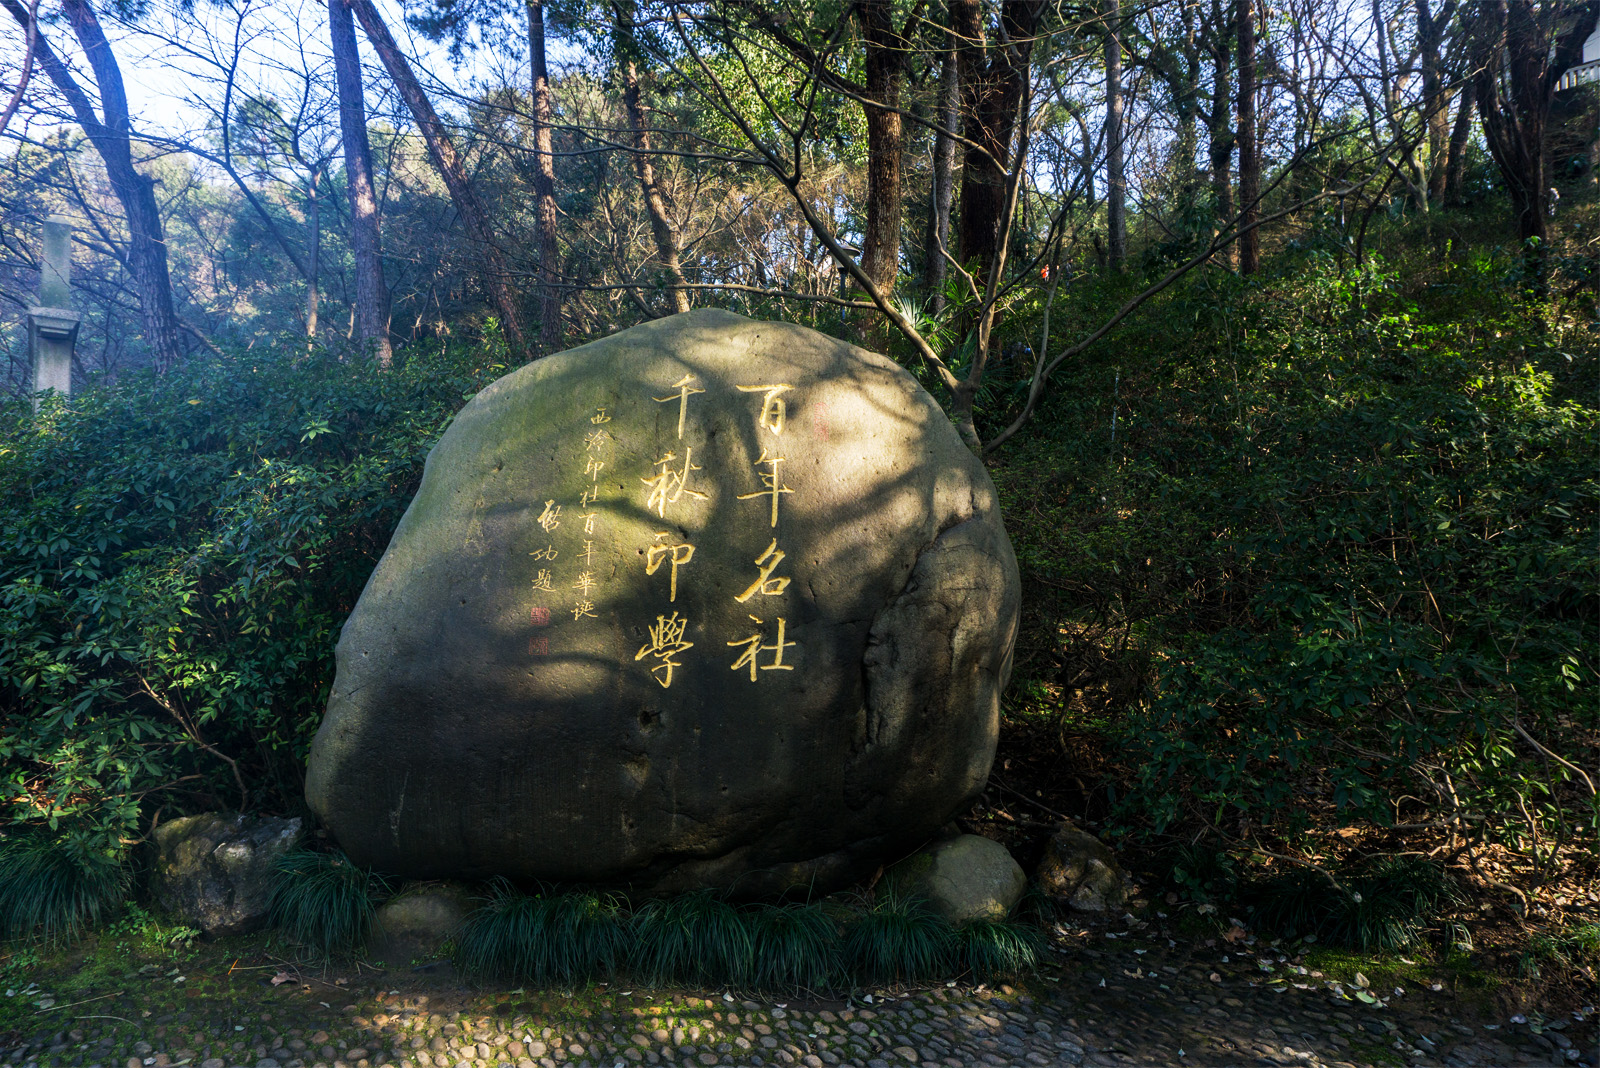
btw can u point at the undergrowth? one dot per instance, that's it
(701, 939)
(53, 892)
(324, 901)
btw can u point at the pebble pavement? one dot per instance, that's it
(1104, 1001)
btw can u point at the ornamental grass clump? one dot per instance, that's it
(1385, 904)
(794, 948)
(995, 950)
(324, 901)
(898, 940)
(693, 938)
(54, 892)
(543, 938)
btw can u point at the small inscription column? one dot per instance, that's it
(52, 324)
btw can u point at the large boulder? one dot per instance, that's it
(962, 879)
(217, 871)
(711, 602)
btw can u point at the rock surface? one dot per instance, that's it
(417, 922)
(711, 602)
(1079, 870)
(216, 871)
(963, 879)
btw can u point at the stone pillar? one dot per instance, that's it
(52, 324)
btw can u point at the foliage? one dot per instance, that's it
(54, 890)
(543, 938)
(324, 901)
(898, 940)
(176, 557)
(699, 938)
(1344, 536)
(793, 948)
(1575, 945)
(692, 938)
(995, 950)
(1381, 905)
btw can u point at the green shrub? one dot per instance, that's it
(324, 901)
(1338, 556)
(995, 950)
(177, 554)
(566, 938)
(794, 948)
(1390, 904)
(53, 891)
(692, 938)
(898, 940)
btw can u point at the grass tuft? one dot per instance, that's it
(898, 940)
(543, 938)
(794, 948)
(324, 901)
(692, 938)
(52, 892)
(993, 951)
(1393, 901)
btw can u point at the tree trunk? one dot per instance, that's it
(443, 152)
(1460, 133)
(1249, 149)
(1435, 97)
(1520, 52)
(662, 228)
(147, 249)
(885, 66)
(370, 314)
(1218, 126)
(544, 183)
(991, 88)
(1116, 181)
(314, 259)
(944, 170)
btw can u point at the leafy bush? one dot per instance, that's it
(324, 901)
(53, 890)
(1390, 904)
(543, 938)
(1345, 532)
(177, 554)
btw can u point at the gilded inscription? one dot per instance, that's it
(599, 416)
(542, 580)
(658, 554)
(585, 582)
(550, 518)
(581, 609)
(772, 482)
(685, 391)
(754, 648)
(666, 641)
(547, 553)
(667, 486)
(765, 584)
(774, 411)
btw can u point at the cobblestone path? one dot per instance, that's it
(1105, 1001)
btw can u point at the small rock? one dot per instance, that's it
(1079, 869)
